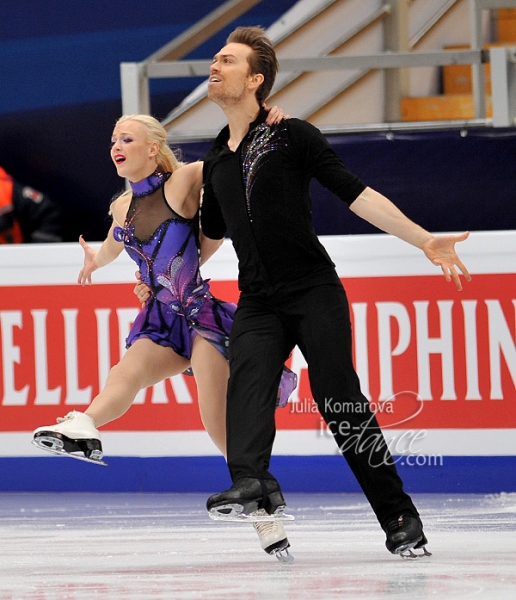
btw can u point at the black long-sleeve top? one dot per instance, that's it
(260, 196)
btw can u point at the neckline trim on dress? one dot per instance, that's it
(150, 184)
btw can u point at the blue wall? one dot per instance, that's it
(455, 474)
(60, 89)
(68, 52)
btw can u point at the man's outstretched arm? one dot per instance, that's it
(376, 209)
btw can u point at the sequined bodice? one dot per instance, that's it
(164, 245)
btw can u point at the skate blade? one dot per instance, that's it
(55, 449)
(407, 550)
(283, 555)
(411, 555)
(235, 513)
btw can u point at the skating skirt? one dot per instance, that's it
(211, 318)
(167, 327)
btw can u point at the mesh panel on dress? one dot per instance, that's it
(147, 213)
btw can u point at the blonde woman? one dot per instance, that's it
(181, 324)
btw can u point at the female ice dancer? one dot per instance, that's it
(181, 325)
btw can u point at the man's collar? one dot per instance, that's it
(223, 136)
(262, 116)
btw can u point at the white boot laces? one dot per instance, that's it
(265, 528)
(68, 417)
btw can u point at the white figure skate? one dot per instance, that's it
(273, 537)
(75, 436)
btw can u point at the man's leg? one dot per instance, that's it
(325, 338)
(258, 348)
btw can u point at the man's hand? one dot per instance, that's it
(440, 249)
(141, 289)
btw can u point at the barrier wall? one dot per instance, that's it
(439, 368)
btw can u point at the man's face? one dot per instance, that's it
(230, 77)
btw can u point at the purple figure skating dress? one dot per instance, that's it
(165, 246)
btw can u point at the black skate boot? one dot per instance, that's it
(404, 534)
(249, 495)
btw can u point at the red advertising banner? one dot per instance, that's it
(428, 356)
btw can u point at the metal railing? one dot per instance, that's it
(135, 76)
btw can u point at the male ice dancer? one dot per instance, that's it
(257, 188)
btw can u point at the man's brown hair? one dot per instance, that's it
(263, 58)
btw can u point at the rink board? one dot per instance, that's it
(438, 366)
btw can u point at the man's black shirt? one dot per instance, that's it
(260, 196)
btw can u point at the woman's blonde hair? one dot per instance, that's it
(166, 159)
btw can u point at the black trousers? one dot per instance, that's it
(316, 319)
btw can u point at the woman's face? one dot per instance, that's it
(132, 152)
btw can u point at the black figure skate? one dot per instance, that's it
(404, 535)
(245, 498)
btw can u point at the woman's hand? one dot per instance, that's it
(89, 263)
(275, 115)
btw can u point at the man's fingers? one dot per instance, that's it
(142, 291)
(450, 274)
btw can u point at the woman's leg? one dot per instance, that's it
(211, 372)
(144, 364)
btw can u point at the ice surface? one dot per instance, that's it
(137, 546)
